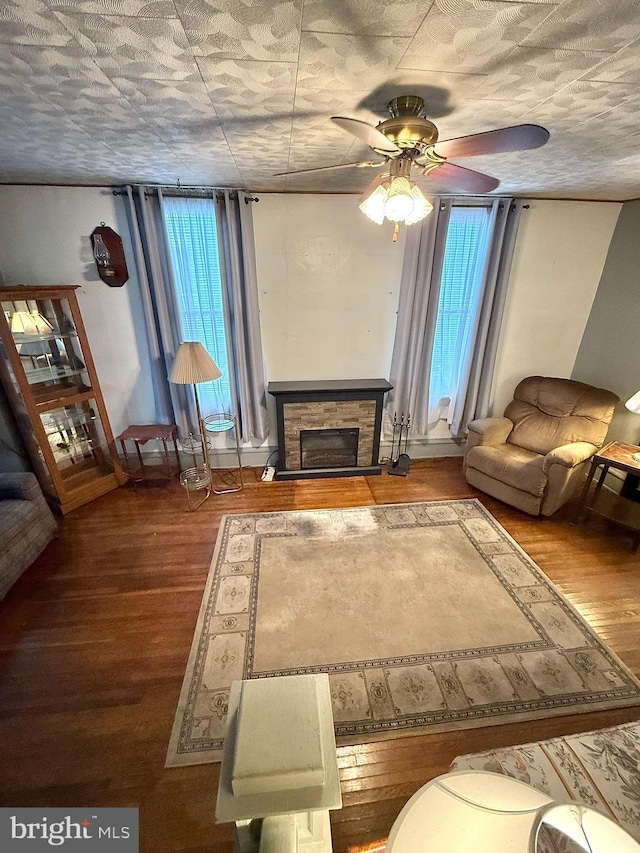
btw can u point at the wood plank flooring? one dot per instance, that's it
(95, 637)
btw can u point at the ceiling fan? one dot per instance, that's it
(407, 139)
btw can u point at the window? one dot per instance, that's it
(463, 271)
(193, 245)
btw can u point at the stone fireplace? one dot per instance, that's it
(330, 428)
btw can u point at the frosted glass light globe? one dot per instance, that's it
(399, 204)
(373, 206)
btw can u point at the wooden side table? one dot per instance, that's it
(617, 508)
(141, 434)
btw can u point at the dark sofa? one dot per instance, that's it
(27, 525)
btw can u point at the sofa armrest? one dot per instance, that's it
(488, 431)
(21, 486)
(569, 455)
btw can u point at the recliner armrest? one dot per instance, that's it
(21, 486)
(488, 431)
(569, 455)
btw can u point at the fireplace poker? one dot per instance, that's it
(400, 461)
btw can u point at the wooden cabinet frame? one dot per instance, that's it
(29, 404)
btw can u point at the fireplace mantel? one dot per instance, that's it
(328, 404)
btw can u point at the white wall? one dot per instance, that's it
(560, 253)
(44, 240)
(328, 280)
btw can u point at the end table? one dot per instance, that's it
(141, 434)
(617, 508)
(225, 422)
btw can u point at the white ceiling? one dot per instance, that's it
(227, 92)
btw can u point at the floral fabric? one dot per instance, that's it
(600, 769)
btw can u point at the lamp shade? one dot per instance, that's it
(193, 364)
(633, 403)
(486, 812)
(30, 323)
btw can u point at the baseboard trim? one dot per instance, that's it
(257, 457)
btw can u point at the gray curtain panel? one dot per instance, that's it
(238, 268)
(475, 387)
(417, 312)
(238, 272)
(162, 318)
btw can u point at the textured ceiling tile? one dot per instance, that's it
(620, 67)
(471, 35)
(243, 29)
(316, 106)
(342, 182)
(365, 17)
(319, 132)
(162, 101)
(18, 101)
(617, 129)
(155, 48)
(258, 148)
(627, 157)
(249, 88)
(30, 22)
(605, 25)
(36, 64)
(246, 133)
(130, 8)
(266, 150)
(480, 116)
(210, 155)
(125, 100)
(581, 102)
(535, 73)
(441, 91)
(334, 61)
(208, 175)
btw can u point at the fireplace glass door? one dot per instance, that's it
(329, 448)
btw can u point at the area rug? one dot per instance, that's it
(426, 616)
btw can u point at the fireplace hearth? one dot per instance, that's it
(329, 428)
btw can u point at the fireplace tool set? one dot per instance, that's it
(400, 461)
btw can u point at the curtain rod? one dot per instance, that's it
(524, 206)
(188, 192)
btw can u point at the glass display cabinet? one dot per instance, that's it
(50, 379)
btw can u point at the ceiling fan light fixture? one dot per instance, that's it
(398, 200)
(421, 206)
(373, 205)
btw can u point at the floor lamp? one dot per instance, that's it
(193, 365)
(487, 812)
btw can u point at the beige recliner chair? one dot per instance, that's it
(536, 455)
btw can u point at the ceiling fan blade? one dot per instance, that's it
(520, 137)
(366, 132)
(360, 165)
(465, 179)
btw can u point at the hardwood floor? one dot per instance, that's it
(95, 638)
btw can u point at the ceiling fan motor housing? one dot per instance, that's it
(406, 127)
